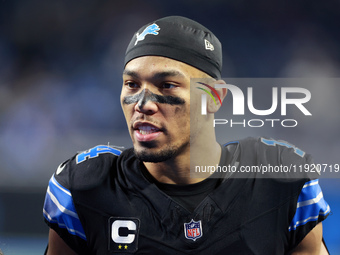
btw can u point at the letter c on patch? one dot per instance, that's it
(116, 225)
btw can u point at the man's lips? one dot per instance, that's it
(145, 132)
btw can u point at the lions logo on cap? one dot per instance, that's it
(149, 30)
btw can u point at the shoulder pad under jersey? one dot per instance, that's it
(289, 161)
(88, 168)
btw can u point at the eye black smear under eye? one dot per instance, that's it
(143, 97)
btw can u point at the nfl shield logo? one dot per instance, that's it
(193, 230)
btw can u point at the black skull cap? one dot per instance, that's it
(181, 39)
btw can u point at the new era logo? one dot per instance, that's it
(208, 45)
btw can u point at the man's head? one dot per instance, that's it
(160, 60)
(181, 39)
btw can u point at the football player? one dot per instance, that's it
(143, 200)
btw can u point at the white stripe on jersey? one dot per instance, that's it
(311, 201)
(60, 207)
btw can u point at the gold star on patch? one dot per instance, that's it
(119, 247)
(125, 247)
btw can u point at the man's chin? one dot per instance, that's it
(146, 155)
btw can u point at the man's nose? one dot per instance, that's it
(146, 103)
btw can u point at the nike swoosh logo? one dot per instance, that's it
(60, 168)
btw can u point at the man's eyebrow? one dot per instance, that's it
(130, 73)
(170, 73)
(158, 75)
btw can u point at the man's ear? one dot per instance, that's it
(214, 105)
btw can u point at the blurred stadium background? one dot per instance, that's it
(60, 80)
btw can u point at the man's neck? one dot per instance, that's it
(177, 169)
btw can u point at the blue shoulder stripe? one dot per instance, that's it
(230, 143)
(310, 206)
(59, 209)
(308, 192)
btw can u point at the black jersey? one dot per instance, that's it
(100, 202)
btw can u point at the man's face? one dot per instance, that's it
(155, 99)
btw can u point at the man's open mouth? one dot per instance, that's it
(145, 132)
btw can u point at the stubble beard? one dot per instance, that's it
(170, 152)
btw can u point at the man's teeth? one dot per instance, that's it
(145, 130)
